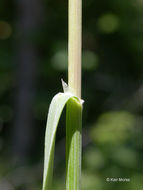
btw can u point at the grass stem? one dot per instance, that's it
(74, 46)
(74, 110)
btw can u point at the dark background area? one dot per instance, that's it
(33, 59)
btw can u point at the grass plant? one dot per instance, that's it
(71, 97)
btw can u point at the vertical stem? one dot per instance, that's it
(74, 46)
(74, 109)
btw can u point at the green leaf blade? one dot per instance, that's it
(55, 110)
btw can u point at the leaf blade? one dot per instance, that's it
(55, 110)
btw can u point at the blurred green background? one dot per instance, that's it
(33, 59)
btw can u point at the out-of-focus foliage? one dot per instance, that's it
(113, 128)
(108, 23)
(112, 90)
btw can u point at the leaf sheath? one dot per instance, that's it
(73, 144)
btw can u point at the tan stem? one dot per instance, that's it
(74, 46)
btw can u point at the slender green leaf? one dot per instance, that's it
(55, 110)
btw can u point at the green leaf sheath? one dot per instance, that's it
(73, 144)
(55, 110)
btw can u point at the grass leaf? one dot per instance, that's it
(55, 110)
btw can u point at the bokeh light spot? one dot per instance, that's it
(5, 30)
(89, 60)
(60, 60)
(108, 23)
